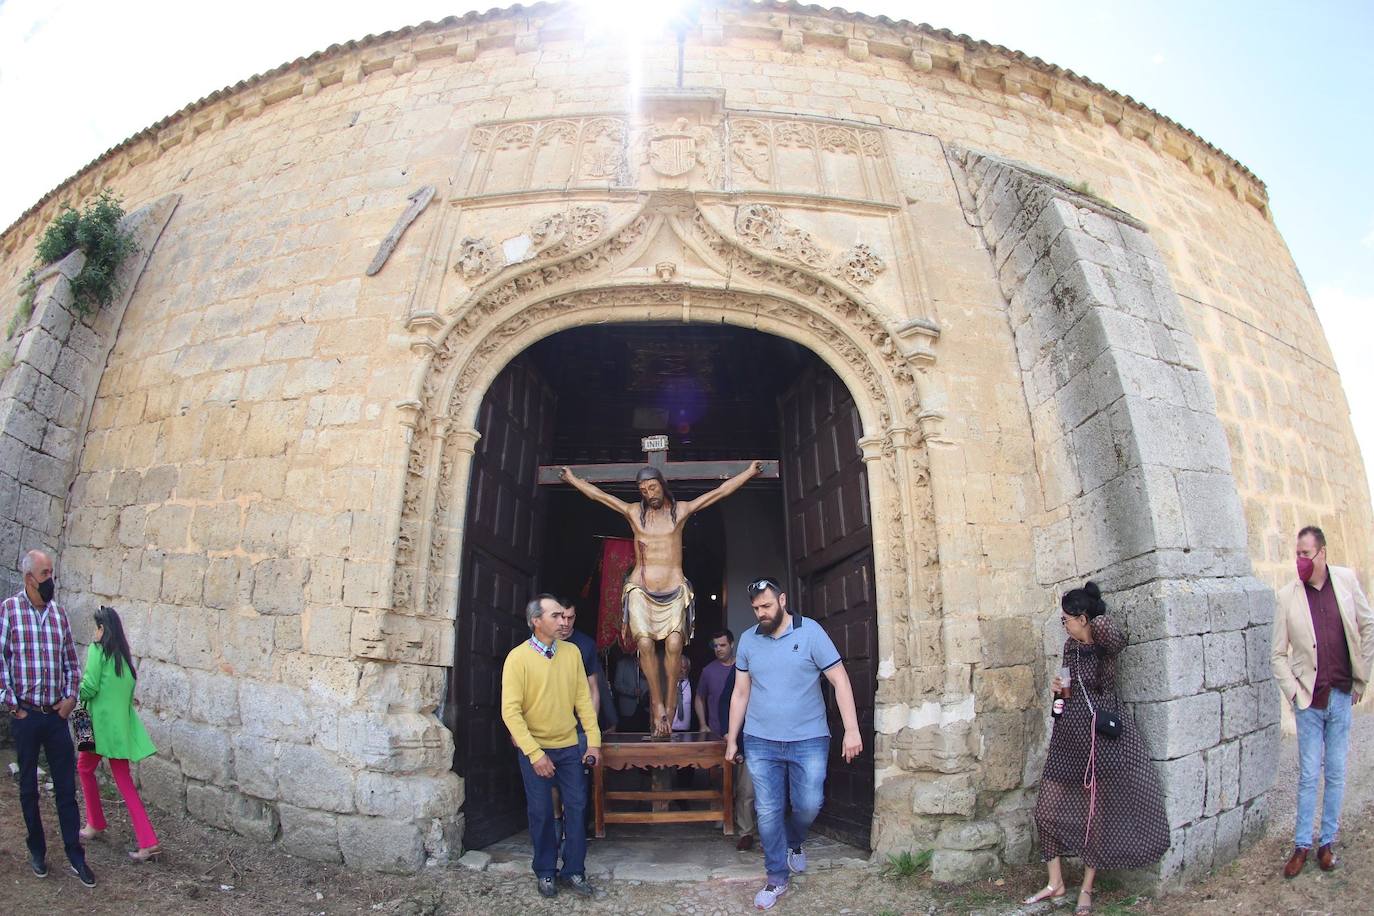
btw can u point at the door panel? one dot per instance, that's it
(499, 571)
(830, 540)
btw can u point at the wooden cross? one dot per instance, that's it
(656, 447)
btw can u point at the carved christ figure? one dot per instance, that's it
(657, 600)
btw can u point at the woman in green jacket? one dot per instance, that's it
(107, 689)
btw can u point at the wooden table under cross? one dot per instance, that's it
(633, 750)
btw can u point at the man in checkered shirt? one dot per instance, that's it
(38, 685)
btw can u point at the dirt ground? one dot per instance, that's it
(211, 872)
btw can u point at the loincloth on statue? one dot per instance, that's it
(657, 614)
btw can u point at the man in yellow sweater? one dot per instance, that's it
(542, 684)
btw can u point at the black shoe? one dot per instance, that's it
(83, 871)
(579, 885)
(39, 866)
(547, 888)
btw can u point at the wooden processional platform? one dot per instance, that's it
(634, 750)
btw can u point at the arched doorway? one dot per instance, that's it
(586, 395)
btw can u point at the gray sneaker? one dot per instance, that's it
(765, 898)
(547, 888)
(796, 861)
(579, 885)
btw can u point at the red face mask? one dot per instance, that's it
(1305, 568)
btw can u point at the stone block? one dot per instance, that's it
(208, 804)
(245, 643)
(1005, 688)
(1259, 761)
(1176, 728)
(1258, 651)
(228, 582)
(1184, 782)
(310, 776)
(1007, 641)
(1230, 825)
(970, 835)
(161, 783)
(44, 472)
(275, 711)
(168, 527)
(1256, 822)
(196, 629)
(252, 817)
(956, 866)
(309, 834)
(1229, 609)
(265, 531)
(279, 585)
(399, 743)
(1240, 710)
(21, 421)
(1214, 517)
(1003, 745)
(1161, 669)
(1223, 777)
(1224, 657)
(214, 698)
(163, 687)
(382, 845)
(255, 764)
(408, 798)
(1199, 848)
(952, 794)
(183, 579)
(203, 751)
(217, 527)
(327, 631)
(140, 577)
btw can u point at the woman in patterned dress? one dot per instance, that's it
(1099, 796)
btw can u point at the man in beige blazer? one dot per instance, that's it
(1322, 653)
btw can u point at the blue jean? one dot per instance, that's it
(572, 786)
(1323, 739)
(783, 770)
(48, 732)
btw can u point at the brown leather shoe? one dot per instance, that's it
(1326, 857)
(1295, 862)
(746, 841)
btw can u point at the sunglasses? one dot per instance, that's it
(759, 585)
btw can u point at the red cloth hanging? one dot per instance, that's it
(617, 559)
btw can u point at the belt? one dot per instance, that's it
(34, 707)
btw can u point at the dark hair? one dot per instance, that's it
(725, 632)
(763, 584)
(1084, 602)
(1317, 535)
(112, 641)
(652, 473)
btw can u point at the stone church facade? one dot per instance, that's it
(1075, 341)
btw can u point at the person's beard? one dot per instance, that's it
(770, 625)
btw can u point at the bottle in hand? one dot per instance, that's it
(1060, 695)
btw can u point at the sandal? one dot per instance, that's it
(1049, 892)
(90, 833)
(1084, 909)
(147, 854)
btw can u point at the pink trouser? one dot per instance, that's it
(86, 763)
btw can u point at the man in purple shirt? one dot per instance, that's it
(38, 686)
(714, 686)
(1323, 649)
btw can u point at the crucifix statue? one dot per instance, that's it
(657, 602)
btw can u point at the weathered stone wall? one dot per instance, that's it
(247, 483)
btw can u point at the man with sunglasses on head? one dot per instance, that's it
(778, 705)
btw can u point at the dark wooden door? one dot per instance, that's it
(830, 542)
(500, 565)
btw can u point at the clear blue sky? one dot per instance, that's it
(1282, 87)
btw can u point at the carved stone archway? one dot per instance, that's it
(725, 283)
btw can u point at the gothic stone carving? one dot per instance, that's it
(763, 227)
(476, 258)
(831, 316)
(677, 150)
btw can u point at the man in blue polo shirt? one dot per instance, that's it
(777, 702)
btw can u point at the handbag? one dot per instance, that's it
(83, 730)
(1106, 723)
